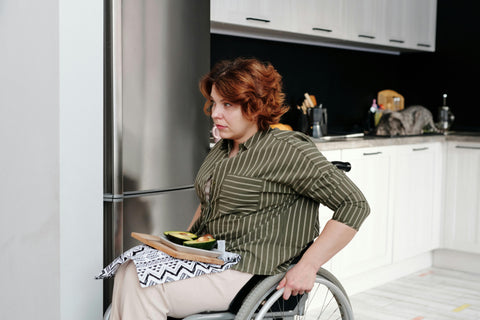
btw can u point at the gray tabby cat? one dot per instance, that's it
(410, 121)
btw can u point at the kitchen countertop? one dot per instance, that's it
(349, 142)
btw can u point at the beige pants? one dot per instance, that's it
(178, 299)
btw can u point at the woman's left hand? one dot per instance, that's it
(298, 280)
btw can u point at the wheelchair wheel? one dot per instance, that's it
(327, 300)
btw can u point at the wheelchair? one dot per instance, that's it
(259, 298)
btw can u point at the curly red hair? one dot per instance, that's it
(256, 86)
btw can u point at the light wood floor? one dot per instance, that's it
(437, 294)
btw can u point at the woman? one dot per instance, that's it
(259, 190)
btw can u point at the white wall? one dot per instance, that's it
(50, 159)
(29, 160)
(81, 157)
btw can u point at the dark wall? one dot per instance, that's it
(346, 81)
(453, 68)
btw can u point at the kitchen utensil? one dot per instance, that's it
(323, 122)
(319, 121)
(445, 116)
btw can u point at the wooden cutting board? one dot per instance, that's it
(155, 242)
(390, 100)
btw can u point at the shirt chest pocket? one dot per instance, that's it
(239, 195)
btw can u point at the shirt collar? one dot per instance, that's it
(228, 144)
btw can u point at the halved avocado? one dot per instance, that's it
(205, 242)
(179, 237)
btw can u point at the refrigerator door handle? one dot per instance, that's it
(116, 114)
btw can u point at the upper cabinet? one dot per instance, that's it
(422, 26)
(395, 25)
(364, 21)
(323, 18)
(265, 14)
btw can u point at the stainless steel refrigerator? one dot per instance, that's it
(156, 134)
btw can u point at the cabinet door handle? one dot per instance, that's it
(372, 153)
(396, 41)
(257, 19)
(420, 149)
(467, 147)
(425, 45)
(322, 29)
(366, 36)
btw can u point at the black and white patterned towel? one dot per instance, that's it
(155, 267)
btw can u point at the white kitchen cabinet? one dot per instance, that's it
(408, 24)
(396, 23)
(325, 213)
(364, 21)
(324, 18)
(423, 196)
(265, 14)
(416, 200)
(372, 245)
(462, 208)
(422, 15)
(399, 24)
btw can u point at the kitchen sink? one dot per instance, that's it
(341, 137)
(462, 133)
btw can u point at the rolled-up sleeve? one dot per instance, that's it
(320, 180)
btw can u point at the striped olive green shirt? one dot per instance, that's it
(264, 201)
